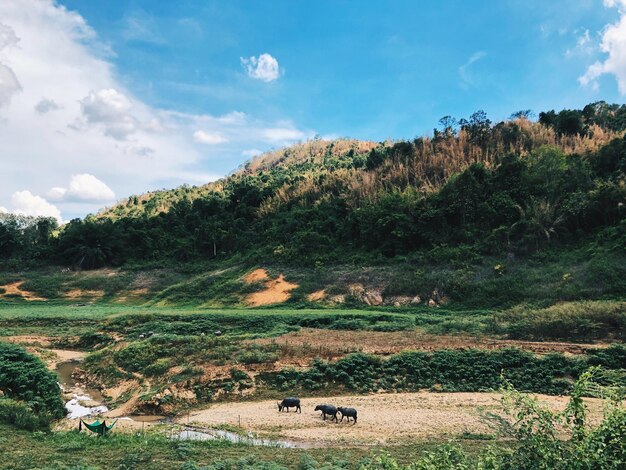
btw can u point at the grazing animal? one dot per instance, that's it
(329, 410)
(348, 413)
(290, 403)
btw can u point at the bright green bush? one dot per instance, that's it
(30, 396)
(448, 370)
(23, 377)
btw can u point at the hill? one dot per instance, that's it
(451, 213)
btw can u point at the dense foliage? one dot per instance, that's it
(30, 394)
(512, 187)
(447, 370)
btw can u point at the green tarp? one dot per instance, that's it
(98, 427)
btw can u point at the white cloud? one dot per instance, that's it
(4, 210)
(83, 188)
(46, 105)
(584, 45)
(71, 115)
(209, 138)
(56, 193)
(111, 110)
(251, 153)
(467, 78)
(9, 84)
(281, 135)
(26, 203)
(265, 67)
(613, 44)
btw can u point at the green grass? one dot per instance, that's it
(21, 450)
(585, 271)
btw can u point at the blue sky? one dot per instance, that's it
(369, 70)
(138, 95)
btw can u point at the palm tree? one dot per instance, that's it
(539, 221)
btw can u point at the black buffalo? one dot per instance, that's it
(329, 410)
(290, 403)
(348, 413)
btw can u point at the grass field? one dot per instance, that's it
(225, 367)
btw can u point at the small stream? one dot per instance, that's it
(87, 401)
(195, 434)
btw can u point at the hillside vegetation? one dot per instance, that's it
(480, 213)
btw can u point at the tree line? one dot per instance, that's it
(515, 186)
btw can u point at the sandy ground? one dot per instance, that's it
(256, 276)
(15, 288)
(382, 419)
(64, 355)
(330, 343)
(77, 294)
(276, 290)
(28, 340)
(316, 296)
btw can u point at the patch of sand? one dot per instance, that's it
(337, 343)
(132, 294)
(75, 294)
(256, 276)
(115, 392)
(276, 291)
(316, 296)
(28, 340)
(15, 288)
(65, 355)
(382, 418)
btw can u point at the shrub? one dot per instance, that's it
(21, 416)
(582, 321)
(25, 378)
(450, 370)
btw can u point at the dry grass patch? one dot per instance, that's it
(336, 343)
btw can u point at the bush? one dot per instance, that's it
(581, 321)
(449, 370)
(21, 416)
(25, 378)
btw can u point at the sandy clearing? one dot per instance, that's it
(256, 276)
(15, 288)
(75, 294)
(28, 340)
(338, 342)
(65, 355)
(132, 294)
(276, 291)
(382, 419)
(316, 296)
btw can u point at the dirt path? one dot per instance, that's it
(382, 418)
(338, 343)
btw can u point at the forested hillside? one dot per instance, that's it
(510, 188)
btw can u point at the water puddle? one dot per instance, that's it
(85, 401)
(192, 434)
(88, 401)
(69, 384)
